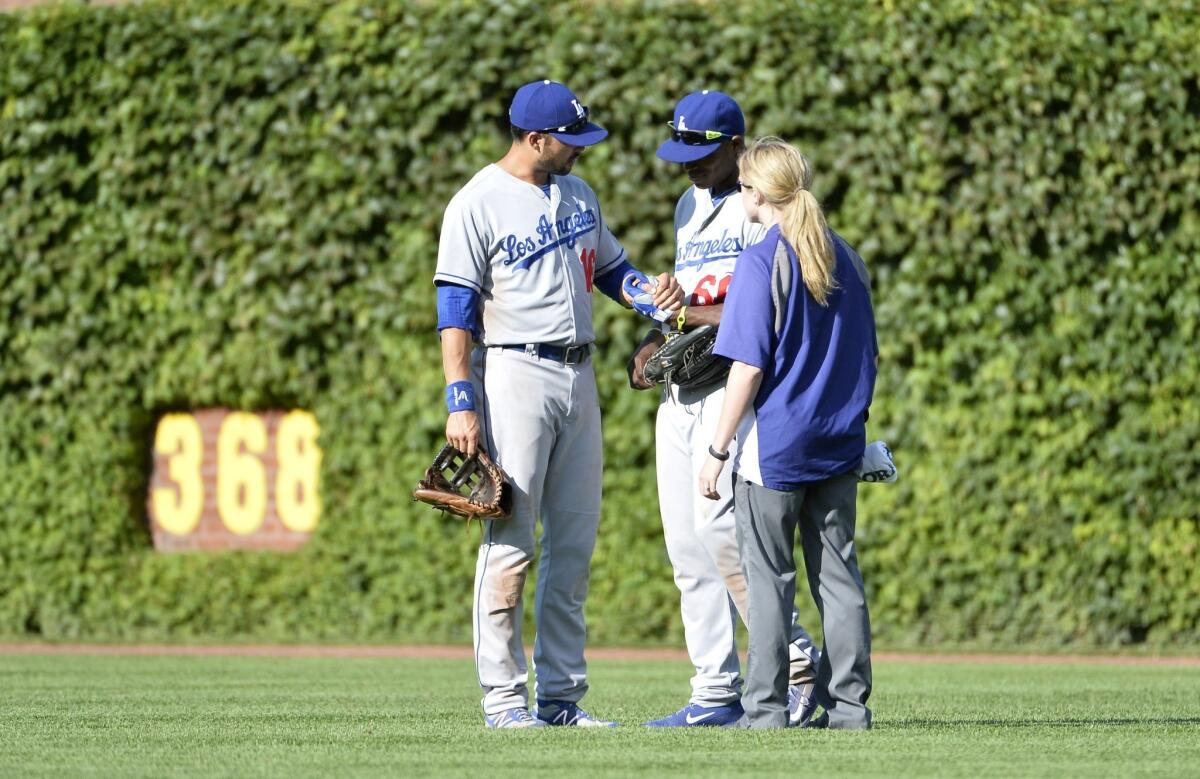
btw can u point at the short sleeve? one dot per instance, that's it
(462, 249)
(609, 251)
(847, 252)
(747, 326)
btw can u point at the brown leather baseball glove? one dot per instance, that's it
(468, 487)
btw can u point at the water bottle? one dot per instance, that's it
(643, 303)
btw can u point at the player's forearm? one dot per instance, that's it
(695, 316)
(653, 337)
(456, 354)
(610, 282)
(740, 389)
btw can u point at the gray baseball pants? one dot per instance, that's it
(542, 421)
(767, 521)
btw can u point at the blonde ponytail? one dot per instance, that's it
(783, 176)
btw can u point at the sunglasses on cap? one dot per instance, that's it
(695, 137)
(573, 127)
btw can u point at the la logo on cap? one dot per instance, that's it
(716, 118)
(546, 106)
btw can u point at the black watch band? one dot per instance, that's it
(718, 455)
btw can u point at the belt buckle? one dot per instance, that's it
(575, 354)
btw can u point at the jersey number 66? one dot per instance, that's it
(709, 292)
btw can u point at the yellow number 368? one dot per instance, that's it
(244, 469)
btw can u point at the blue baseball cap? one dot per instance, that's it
(549, 107)
(703, 121)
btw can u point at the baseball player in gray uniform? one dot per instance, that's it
(711, 229)
(522, 247)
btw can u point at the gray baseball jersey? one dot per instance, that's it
(531, 257)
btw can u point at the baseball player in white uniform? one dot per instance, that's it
(522, 246)
(711, 229)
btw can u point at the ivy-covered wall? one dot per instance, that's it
(216, 203)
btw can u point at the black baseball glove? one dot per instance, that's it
(687, 360)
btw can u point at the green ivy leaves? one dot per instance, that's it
(216, 203)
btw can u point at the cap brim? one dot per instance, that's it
(591, 133)
(677, 151)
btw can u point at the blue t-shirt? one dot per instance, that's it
(808, 419)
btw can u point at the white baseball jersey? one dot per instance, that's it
(708, 240)
(532, 258)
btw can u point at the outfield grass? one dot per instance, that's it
(232, 716)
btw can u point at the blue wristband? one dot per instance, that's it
(460, 396)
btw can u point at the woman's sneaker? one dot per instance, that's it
(518, 717)
(801, 704)
(694, 715)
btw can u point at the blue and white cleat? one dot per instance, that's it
(696, 716)
(568, 714)
(518, 717)
(801, 704)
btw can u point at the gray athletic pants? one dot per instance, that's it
(766, 529)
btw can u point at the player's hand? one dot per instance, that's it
(669, 295)
(637, 361)
(462, 431)
(708, 477)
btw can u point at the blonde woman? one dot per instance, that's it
(800, 333)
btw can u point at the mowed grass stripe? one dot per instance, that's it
(252, 716)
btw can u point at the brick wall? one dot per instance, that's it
(212, 531)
